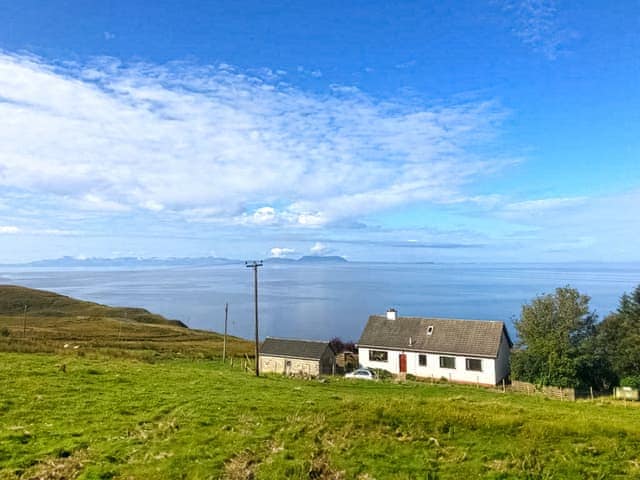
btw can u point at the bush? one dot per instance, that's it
(382, 374)
(4, 332)
(631, 381)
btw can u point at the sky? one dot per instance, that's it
(497, 130)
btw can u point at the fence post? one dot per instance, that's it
(591, 392)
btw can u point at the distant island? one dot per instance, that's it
(123, 262)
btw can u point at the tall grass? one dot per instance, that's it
(121, 418)
(113, 337)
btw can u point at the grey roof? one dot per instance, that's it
(462, 337)
(288, 347)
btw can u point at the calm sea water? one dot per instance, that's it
(323, 301)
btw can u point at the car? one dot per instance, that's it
(362, 374)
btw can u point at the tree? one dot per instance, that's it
(555, 332)
(619, 336)
(339, 346)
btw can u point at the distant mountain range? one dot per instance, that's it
(166, 262)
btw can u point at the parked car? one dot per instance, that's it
(362, 374)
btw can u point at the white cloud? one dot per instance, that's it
(320, 249)
(208, 143)
(152, 205)
(280, 252)
(96, 202)
(264, 215)
(56, 231)
(543, 205)
(407, 64)
(537, 25)
(9, 229)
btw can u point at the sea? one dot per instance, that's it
(323, 301)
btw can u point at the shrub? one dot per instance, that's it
(382, 374)
(631, 381)
(4, 332)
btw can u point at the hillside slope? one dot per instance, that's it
(42, 303)
(55, 323)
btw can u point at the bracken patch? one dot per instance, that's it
(241, 466)
(64, 467)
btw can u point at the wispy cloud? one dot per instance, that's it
(407, 64)
(537, 25)
(281, 252)
(4, 229)
(542, 206)
(216, 144)
(321, 249)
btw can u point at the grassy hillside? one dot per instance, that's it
(41, 303)
(203, 419)
(53, 321)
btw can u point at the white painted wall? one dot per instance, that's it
(488, 375)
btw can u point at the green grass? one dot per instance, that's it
(115, 337)
(123, 418)
(142, 397)
(41, 303)
(53, 321)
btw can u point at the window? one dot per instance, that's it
(378, 356)
(447, 362)
(474, 364)
(429, 329)
(422, 360)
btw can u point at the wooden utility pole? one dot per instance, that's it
(120, 326)
(255, 264)
(24, 322)
(224, 343)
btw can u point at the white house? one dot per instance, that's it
(468, 351)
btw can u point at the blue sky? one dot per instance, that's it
(438, 131)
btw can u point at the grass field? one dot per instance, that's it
(108, 417)
(88, 392)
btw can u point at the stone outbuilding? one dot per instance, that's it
(297, 357)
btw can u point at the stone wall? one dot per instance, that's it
(289, 366)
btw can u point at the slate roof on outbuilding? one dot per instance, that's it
(461, 337)
(292, 348)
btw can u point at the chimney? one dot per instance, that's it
(392, 314)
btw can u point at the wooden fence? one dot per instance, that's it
(558, 393)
